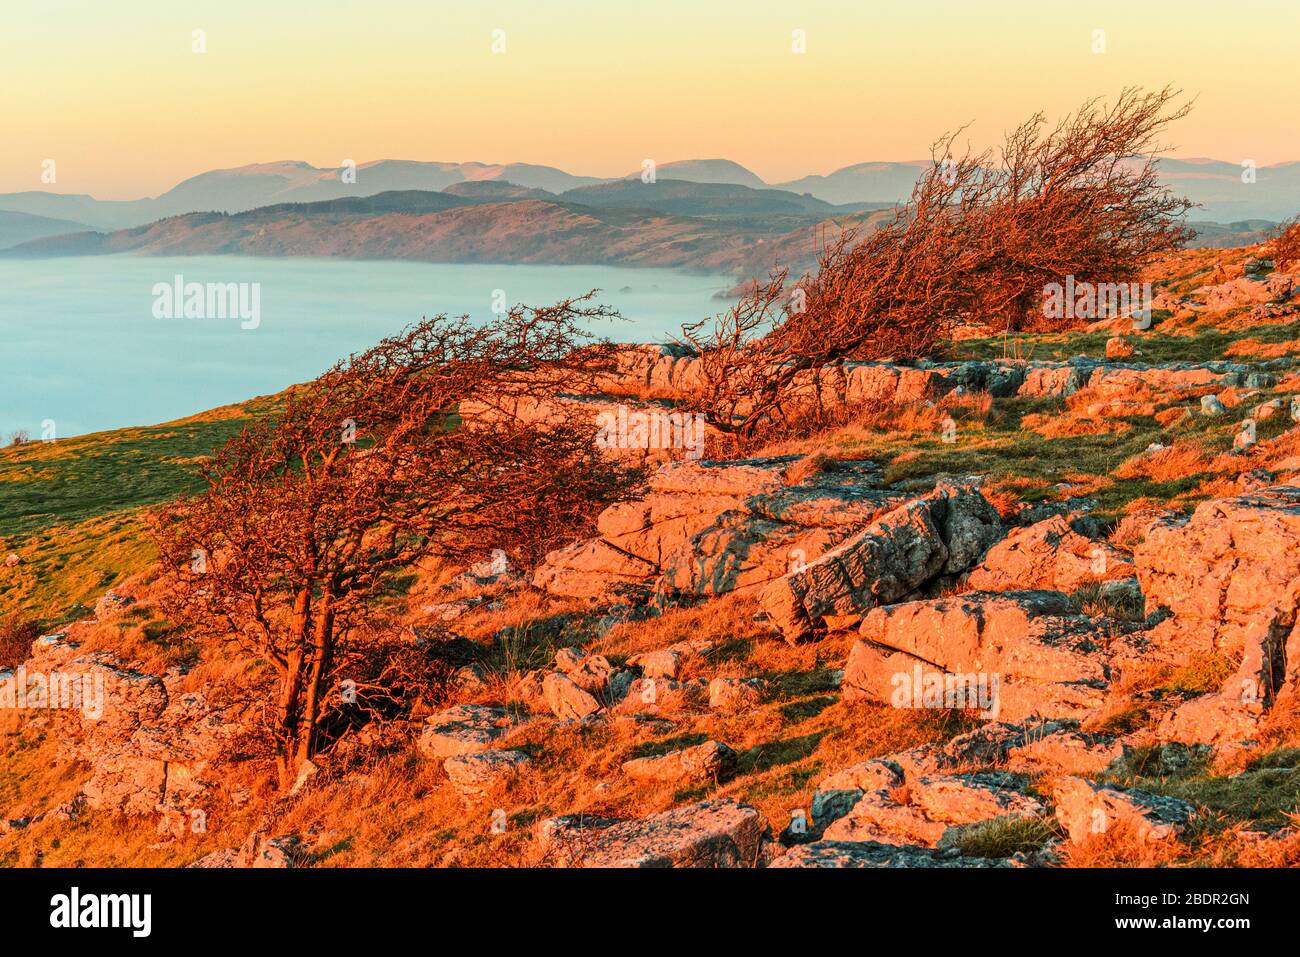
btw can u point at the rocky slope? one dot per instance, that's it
(1064, 631)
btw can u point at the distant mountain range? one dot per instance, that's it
(694, 214)
(265, 184)
(1216, 185)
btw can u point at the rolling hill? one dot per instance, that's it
(669, 224)
(18, 228)
(524, 231)
(265, 184)
(705, 171)
(862, 183)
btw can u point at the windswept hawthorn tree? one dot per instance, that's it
(378, 463)
(980, 238)
(1286, 245)
(1081, 199)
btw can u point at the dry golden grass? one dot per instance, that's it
(966, 409)
(1067, 426)
(1175, 462)
(1130, 531)
(1134, 398)
(1258, 349)
(810, 466)
(1007, 495)
(1172, 415)
(1242, 847)
(401, 811)
(1121, 846)
(36, 782)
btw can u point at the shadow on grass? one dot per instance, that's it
(764, 757)
(653, 749)
(808, 708)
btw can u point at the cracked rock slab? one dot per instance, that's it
(464, 729)
(1087, 809)
(714, 833)
(943, 532)
(924, 809)
(710, 761)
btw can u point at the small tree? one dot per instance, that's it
(371, 467)
(1286, 245)
(981, 238)
(1081, 199)
(881, 294)
(16, 637)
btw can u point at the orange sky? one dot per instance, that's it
(116, 96)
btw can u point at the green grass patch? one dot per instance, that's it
(1201, 674)
(1268, 796)
(69, 481)
(1005, 836)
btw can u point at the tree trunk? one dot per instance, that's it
(288, 713)
(321, 647)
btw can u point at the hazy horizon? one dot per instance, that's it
(362, 164)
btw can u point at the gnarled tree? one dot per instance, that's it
(1286, 245)
(980, 239)
(373, 466)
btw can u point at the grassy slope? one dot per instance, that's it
(73, 509)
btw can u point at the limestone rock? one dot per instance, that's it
(1048, 555)
(714, 833)
(480, 771)
(664, 663)
(1223, 566)
(709, 528)
(664, 696)
(1067, 751)
(922, 811)
(668, 662)
(734, 694)
(945, 531)
(876, 854)
(229, 857)
(1086, 808)
(111, 604)
(464, 729)
(567, 699)
(711, 761)
(1010, 655)
(125, 784)
(596, 570)
(276, 852)
(1117, 347)
(591, 673)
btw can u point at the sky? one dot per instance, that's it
(116, 95)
